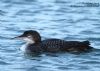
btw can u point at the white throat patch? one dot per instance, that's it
(23, 48)
(28, 40)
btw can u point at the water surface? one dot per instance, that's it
(63, 19)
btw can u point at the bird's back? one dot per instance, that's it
(55, 45)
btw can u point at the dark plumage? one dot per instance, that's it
(52, 45)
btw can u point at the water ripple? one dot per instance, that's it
(63, 19)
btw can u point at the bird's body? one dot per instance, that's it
(36, 45)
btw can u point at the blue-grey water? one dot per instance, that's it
(63, 19)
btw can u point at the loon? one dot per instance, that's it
(34, 44)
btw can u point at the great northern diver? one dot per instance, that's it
(36, 45)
